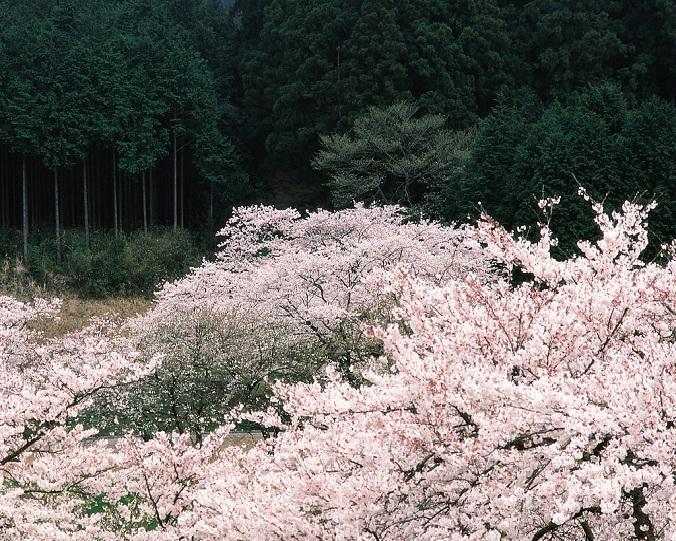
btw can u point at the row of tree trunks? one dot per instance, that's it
(101, 185)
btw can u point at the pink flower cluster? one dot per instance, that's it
(319, 274)
(539, 411)
(49, 464)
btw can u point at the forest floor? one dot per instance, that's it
(77, 312)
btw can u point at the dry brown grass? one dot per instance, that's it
(76, 313)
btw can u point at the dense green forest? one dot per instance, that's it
(125, 115)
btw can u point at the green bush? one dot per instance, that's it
(9, 243)
(94, 271)
(151, 258)
(132, 264)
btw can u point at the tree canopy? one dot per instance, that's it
(524, 149)
(126, 83)
(174, 110)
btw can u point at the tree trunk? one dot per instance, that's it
(211, 204)
(57, 213)
(182, 187)
(115, 223)
(122, 199)
(85, 200)
(24, 199)
(3, 197)
(4, 189)
(143, 190)
(93, 168)
(340, 118)
(175, 184)
(35, 199)
(95, 192)
(73, 197)
(151, 210)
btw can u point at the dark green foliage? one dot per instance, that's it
(459, 55)
(492, 175)
(373, 58)
(524, 150)
(650, 134)
(649, 26)
(129, 265)
(149, 259)
(310, 69)
(313, 68)
(95, 271)
(570, 44)
(9, 243)
(290, 72)
(195, 97)
(86, 79)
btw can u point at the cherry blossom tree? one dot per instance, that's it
(211, 363)
(286, 296)
(537, 411)
(49, 463)
(312, 272)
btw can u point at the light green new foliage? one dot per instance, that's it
(211, 364)
(391, 155)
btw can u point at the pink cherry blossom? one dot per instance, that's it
(537, 411)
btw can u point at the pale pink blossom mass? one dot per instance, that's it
(537, 409)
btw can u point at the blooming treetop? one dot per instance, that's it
(47, 461)
(312, 273)
(313, 270)
(541, 411)
(533, 412)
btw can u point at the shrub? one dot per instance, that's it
(133, 264)
(148, 259)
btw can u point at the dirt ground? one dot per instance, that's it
(76, 313)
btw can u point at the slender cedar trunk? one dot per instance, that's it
(150, 196)
(2, 184)
(211, 203)
(92, 188)
(121, 194)
(101, 167)
(338, 89)
(143, 190)
(85, 200)
(73, 196)
(8, 195)
(33, 195)
(57, 216)
(94, 195)
(175, 184)
(3, 187)
(116, 225)
(24, 199)
(182, 188)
